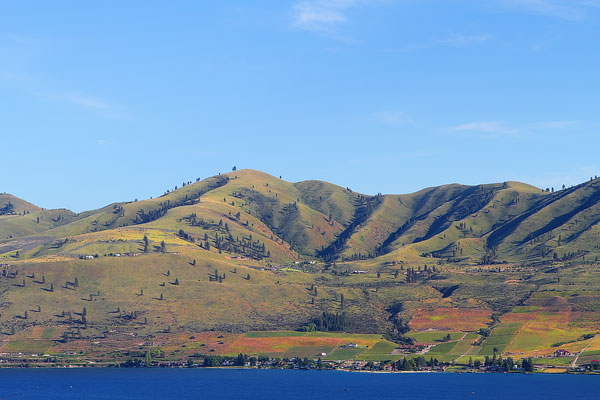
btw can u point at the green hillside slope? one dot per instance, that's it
(249, 251)
(510, 221)
(10, 204)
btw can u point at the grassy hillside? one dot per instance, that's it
(21, 218)
(33, 223)
(10, 204)
(249, 251)
(510, 221)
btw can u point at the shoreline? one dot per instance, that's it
(54, 367)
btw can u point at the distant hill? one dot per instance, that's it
(249, 251)
(20, 218)
(503, 222)
(10, 205)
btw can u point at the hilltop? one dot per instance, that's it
(491, 223)
(247, 251)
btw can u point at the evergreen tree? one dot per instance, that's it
(528, 365)
(146, 244)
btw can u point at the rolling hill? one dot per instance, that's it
(505, 222)
(249, 251)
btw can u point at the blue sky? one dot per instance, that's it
(118, 100)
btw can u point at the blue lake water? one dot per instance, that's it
(182, 384)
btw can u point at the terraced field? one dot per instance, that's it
(450, 318)
(381, 351)
(501, 336)
(434, 336)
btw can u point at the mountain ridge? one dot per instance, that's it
(248, 251)
(499, 222)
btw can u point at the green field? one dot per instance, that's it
(588, 356)
(557, 362)
(27, 346)
(441, 349)
(380, 352)
(345, 353)
(49, 333)
(435, 336)
(380, 357)
(307, 351)
(365, 336)
(461, 347)
(499, 339)
(525, 309)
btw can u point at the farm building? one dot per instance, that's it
(562, 353)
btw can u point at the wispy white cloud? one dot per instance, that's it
(564, 9)
(488, 127)
(412, 155)
(320, 16)
(394, 118)
(19, 49)
(554, 124)
(456, 41)
(502, 128)
(16, 38)
(13, 77)
(87, 102)
(464, 40)
(324, 16)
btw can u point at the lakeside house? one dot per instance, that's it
(562, 353)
